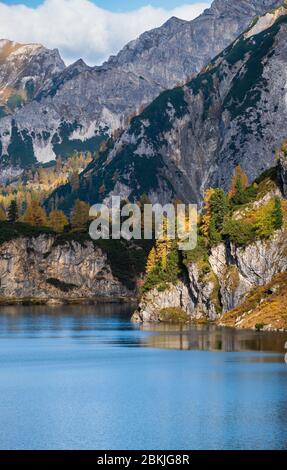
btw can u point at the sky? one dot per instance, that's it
(88, 29)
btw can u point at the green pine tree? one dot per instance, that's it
(13, 212)
(277, 214)
(173, 264)
(219, 208)
(214, 234)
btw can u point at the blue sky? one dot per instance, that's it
(115, 5)
(89, 29)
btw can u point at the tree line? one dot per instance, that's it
(36, 216)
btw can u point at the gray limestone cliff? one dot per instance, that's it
(41, 268)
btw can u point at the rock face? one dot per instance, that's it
(238, 270)
(193, 137)
(24, 70)
(179, 48)
(42, 269)
(82, 104)
(155, 300)
(234, 272)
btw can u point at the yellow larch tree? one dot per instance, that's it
(57, 220)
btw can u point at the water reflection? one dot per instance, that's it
(213, 338)
(86, 377)
(110, 325)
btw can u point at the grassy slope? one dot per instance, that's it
(265, 306)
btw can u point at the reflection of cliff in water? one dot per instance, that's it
(212, 338)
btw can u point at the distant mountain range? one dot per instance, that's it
(48, 109)
(192, 137)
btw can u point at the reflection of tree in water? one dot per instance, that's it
(110, 324)
(212, 338)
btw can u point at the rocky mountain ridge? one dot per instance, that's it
(192, 137)
(83, 104)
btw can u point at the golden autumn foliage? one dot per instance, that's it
(239, 180)
(164, 262)
(57, 221)
(80, 215)
(163, 245)
(38, 183)
(35, 215)
(3, 216)
(206, 212)
(151, 261)
(263, 217)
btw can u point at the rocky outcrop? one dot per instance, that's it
(154, 301)
(233, 273)
(82, 103)
(41, 268)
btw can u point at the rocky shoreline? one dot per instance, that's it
(65, 301)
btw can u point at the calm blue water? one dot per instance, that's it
(86, 378)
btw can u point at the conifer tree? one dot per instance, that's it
(57, 220)
(13, 212)
(264, 224)
(206, 213)
(151, 261)
(35, 215)
(239, 183)
(214, 234)
(80, 215)
(219, 208)
(163, 245)
(173, 264)
(277, 214)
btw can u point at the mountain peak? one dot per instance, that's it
(9, 48)
(175, 21)
(80, 63)
(13, 45)
(25, 68)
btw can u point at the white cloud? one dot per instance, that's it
(81, 29)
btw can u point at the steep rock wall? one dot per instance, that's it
(40, 268)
